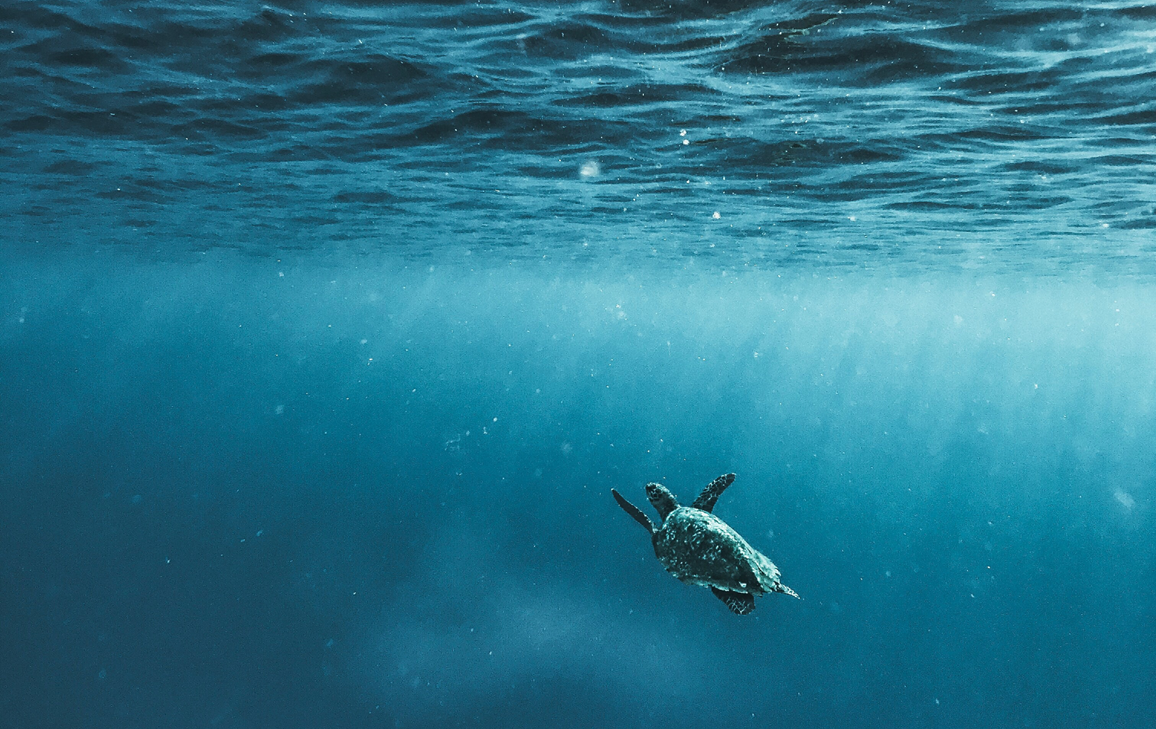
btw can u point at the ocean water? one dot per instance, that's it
(327, 327)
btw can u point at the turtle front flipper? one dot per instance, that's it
(740, 603)
(706, 500)
(787, 591)
(633, 510)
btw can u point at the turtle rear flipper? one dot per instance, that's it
(740, 603)
(706, 500)
(633, 510)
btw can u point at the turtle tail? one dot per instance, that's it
(784, 589)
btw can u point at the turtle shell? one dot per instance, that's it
(700, 549)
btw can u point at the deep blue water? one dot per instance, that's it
(327, 328)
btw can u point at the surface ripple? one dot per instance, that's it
(927, 135)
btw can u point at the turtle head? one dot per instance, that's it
(661, 498)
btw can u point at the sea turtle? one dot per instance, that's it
(699, 548)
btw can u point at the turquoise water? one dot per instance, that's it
(326, 329)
